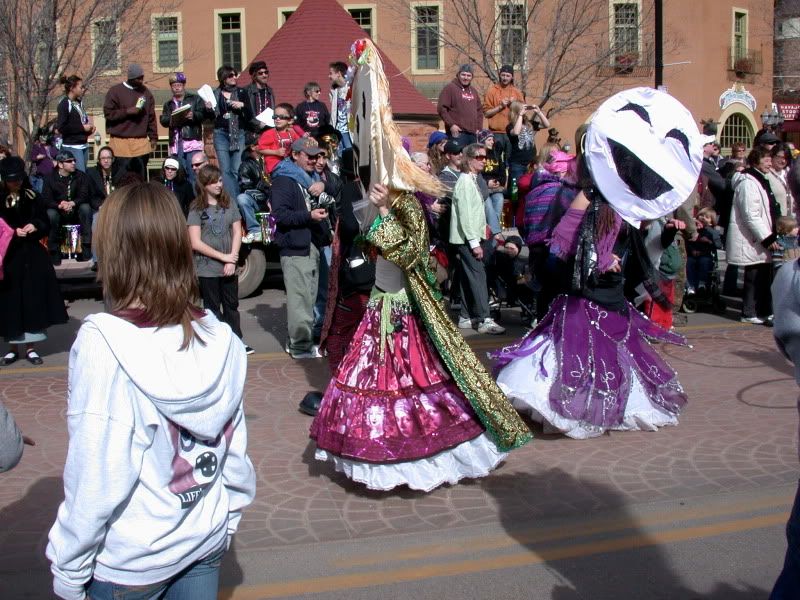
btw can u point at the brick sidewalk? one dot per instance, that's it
(738, 433)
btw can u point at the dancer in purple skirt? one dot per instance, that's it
(589, 367)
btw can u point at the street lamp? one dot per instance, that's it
(771, 118)
(97, 138)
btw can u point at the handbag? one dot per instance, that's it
(6, 233)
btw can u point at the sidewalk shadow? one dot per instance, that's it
(59, 338)
(772, 359)
(24, 525)
(637, 570)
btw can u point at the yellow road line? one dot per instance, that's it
(521, 559)
(582, 529)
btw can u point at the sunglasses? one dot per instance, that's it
(69, 160)
(198, 165)
(282, 117)
(479, 157)
(262, 72)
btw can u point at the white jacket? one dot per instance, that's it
(157, 472)
(751, 222)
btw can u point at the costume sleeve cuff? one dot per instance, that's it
(68, 591)
(769, 240)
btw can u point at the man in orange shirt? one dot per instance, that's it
(496, 104)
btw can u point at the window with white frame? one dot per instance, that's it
(363, 16)
(788, 29)
(106, 45)
(426, 37)
(284, 14)
(230, 39)
(739, 35)
(625, 28)
(167, 44)
(512, 31)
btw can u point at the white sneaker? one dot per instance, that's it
(248, 238)
(752, 320)
(489, 326)
(313, 353)
(464, 323)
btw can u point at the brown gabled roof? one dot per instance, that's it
(317, 34)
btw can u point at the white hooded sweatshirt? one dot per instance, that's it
(157, 471)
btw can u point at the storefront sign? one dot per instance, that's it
(790, 112)
(737, 94)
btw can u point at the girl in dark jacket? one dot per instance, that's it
(228, 127)
(30, 300)
(72, 122)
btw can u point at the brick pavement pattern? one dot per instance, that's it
(738, 433)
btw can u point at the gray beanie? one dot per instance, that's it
(465, 68)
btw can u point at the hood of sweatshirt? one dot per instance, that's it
(198, 388)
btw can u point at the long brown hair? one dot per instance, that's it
(208, 174)
(145, 257)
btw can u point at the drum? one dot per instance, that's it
(70, 241)
(267, 226)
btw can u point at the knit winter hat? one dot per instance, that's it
(465, 68)
(483, 135)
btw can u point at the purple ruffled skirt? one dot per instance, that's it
(392, 415)
(586, 369)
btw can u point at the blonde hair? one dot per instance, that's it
(145, 257)
(708, 211)
(785, 225)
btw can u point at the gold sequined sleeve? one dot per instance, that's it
(402, 236)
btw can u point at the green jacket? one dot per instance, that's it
(468, 218)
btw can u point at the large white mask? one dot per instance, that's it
(644, 151)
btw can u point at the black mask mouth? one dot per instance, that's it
(641, 179)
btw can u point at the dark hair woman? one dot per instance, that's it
(72, 121)
(30, 300)
(228, 127)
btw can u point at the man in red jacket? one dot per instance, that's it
(460, 107)
(130, 112)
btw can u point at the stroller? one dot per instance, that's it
(708, 294)
(511, 285)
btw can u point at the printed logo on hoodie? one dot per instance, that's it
(196, 463)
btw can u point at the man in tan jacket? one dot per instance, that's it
(496, 103)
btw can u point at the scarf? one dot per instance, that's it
(774, 207)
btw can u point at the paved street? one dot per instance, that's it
(695, 511)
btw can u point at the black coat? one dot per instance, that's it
(97, 188)
(254, 100)
(192, 130)
(30, 300)
(182, 190)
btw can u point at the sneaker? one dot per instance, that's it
(313, 353)
(752, 320)
(489, 326)
(248, 238)
(494, 303)
(464, 323)
(248, 350)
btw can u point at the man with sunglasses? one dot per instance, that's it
(66, 195)
(185, 124)
(259, 97)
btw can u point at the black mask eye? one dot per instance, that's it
(639, 110)
(677, 134)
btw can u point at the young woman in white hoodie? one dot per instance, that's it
(157, 472)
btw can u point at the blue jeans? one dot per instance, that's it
(248, 207)
(788, 585)
(199, 581)
(81, 157)
(229, 160)
(345, 144)
(321, 300)
(698, 270)
(493, 206)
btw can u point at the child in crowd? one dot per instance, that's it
(787, 229)
(275, 144)
(311, 114)
(157, 472)
(215, 230)
(701, 252)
